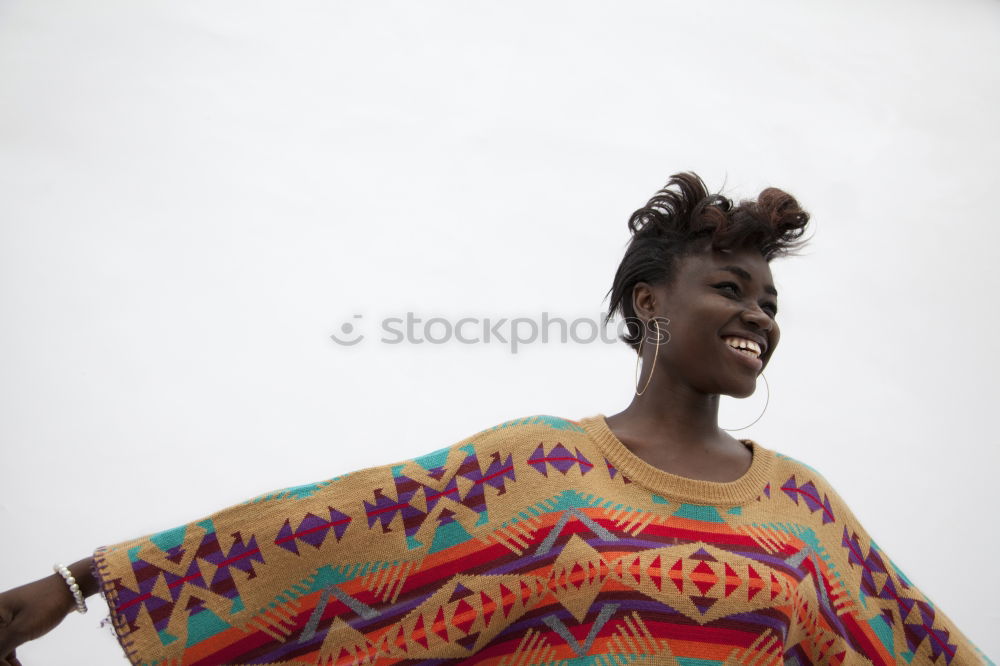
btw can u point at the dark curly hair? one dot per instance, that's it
(689, 220)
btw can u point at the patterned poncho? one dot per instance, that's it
(540, 540)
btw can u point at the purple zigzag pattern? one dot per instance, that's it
(130, 603)
(870, 565)
(613, 472)
(496, 476)
(432, 495)
(811, 496)
(915, 632)
(312, 530)
(384, 509)
(241, 556)
(560, 458)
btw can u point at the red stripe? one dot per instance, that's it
(447, 492)
(388, 508)
(550, 459)
(312, 529)
(814, 497)
(492, 476)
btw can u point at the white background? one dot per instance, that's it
(194, 195)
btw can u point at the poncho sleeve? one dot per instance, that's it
(259, 579)
(880, 612)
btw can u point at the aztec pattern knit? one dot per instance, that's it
(540, 540)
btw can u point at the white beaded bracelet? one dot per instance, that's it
(81, 606)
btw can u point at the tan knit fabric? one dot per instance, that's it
(540, 540)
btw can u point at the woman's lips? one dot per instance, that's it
(750, 361)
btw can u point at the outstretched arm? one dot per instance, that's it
(879, 612)
(240, 581)
(32, 610)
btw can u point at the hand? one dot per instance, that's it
(30, 611)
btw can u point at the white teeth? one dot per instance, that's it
(748, 347)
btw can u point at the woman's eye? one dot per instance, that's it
(769, 308)
(736, 288)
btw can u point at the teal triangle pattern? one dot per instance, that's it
(430, 461)
(448, 535)
(204, 624)
(883, 631)
(553, 422)
(169, 539)
(166, 637)
(706, 514)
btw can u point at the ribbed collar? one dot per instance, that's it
(682, 488)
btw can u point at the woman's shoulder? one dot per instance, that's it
(508, 442)
(526, 431)
(538, 422)
(794, 464)
(492, 450)
(510, 436)
(796, 477)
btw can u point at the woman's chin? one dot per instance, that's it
(744, 392)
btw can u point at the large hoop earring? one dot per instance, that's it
(766, 400)
(638, 356)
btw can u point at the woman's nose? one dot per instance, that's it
(758, 316)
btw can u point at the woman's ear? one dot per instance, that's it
(643, 301)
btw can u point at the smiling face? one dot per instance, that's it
(714, 296)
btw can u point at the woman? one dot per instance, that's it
(649, 536)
